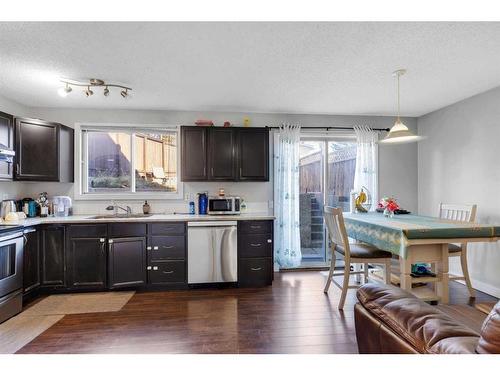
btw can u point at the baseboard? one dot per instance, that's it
(483, 287)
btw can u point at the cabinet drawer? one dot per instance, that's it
(256, 226)
(127, 230)
(255, 246)
(166, 247)
(167, 272)
(253, 272)
(167, 228)
(87, 230)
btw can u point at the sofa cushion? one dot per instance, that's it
(420, 324)
(489, 342)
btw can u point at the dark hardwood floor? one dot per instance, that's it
(292, 316)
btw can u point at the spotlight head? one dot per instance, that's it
(124, 93)
(106, 91)
(64, 91)
(88, 92)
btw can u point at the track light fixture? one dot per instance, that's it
(88, 85)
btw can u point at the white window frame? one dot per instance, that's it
(81, 158)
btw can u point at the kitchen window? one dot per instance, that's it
(128, 162)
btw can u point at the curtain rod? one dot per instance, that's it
(331, 127)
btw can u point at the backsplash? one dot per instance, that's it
(257, 195)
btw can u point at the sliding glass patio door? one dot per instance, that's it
(327, 166)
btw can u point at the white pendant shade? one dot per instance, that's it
(400, 133)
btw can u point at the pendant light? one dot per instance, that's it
(399, 132)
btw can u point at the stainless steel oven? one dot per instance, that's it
(11, 275)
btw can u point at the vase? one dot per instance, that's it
(388, 213)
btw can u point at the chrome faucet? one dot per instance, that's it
(114, 207)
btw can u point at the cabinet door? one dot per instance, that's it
(37, 150)
(221, 154)
(127, 262)
(53, 256)
(253, 154)
(86, 263)
(7, 139)
(31, 261)
(194, 153)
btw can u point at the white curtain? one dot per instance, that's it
(366, 174)
(286, 197)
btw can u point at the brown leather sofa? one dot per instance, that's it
(390, 320)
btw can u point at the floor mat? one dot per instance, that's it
(21, 329)
(80, 303)
(26, 326)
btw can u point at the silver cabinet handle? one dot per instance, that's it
(110, 241)
(155, 268)
(168, 247)
(256, 244)
(29, 231)
(148, 248)
(155, 247)
(148, 268)
(256, 269)
(269, 241)
(101, 240)
(168, 272)
(255, 226)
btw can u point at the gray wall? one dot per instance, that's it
(398, 163)
(459, 163)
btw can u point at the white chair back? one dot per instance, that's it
(458, 212)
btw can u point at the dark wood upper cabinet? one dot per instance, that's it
(53, 262)
(194, 153)
(221, 154)
(44, 151)
(224, 154)
(31, 260)
(253, 154)
(6, 139)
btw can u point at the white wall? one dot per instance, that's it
(398, 163)
(459, 162)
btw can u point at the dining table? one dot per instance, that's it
(416, 239)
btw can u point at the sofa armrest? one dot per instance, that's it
(422, 326)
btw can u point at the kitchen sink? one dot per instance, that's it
(120, 216)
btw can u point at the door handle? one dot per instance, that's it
(256, 269)
(167, 247)
(256, 244)
(168, 272)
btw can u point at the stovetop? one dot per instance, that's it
(9, 228)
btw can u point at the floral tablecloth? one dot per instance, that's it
(392, 234)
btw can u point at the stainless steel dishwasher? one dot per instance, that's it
(212, 252)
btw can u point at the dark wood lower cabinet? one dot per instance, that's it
(86, 263)
(93, 257)
(31, 261)
(255, 253)
(53, 256)
(127, 262)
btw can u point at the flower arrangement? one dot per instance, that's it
(388, 205)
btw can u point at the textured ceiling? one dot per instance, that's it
(329, 68)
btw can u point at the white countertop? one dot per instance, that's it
(82, 219)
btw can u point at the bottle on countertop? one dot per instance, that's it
(202, 203)
(146, 208)
(191, 208)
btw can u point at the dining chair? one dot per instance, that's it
(462, 213)
(353, 253)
